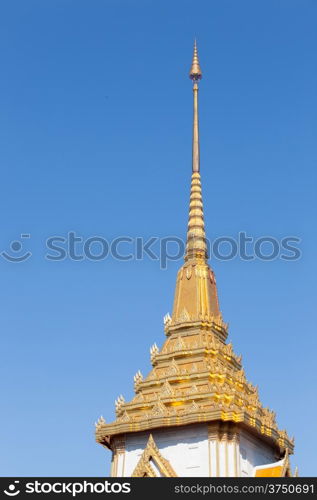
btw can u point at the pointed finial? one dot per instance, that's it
(195, 71)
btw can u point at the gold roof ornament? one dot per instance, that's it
(152, 454)
(195, 71)
(196, 376)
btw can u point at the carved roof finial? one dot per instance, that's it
(195, 70)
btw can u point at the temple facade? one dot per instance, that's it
(195, 413)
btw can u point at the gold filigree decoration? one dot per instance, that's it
(193, 407)
(166, 389)
(179, 344)
(192, 390)
(139, 398)
(183, 317)
(159, 409)
(173, 369)
(125, 417)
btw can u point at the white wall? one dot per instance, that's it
(191, 454)
(186, 449)
(253, 452)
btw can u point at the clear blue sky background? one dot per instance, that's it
(95, 131)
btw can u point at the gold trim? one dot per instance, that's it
(178, 413)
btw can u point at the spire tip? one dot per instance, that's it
(195, 70)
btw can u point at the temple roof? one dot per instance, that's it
(196, 376)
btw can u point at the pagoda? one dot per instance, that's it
(195, 413)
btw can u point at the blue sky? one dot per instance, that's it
(95, 137)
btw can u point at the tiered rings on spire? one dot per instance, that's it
(196, 238)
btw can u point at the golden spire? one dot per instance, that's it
(196, 291)
(196, 238)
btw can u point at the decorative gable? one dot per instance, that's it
(152, 459)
